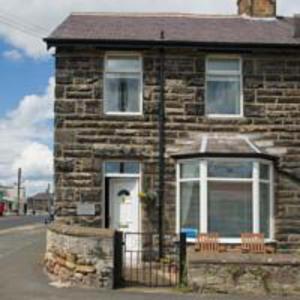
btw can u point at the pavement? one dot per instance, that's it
(17, 221)
(22, 276)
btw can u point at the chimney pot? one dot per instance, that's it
(297, 26)
(257, 8)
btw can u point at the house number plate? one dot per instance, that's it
(86, 209)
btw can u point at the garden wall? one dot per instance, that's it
(80, 256)
(246, 274)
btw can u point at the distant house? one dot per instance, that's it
(40, 202)
(9, 196)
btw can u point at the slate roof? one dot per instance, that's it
(229, 145)
(41, 197)
(179, 28)
(219, 145)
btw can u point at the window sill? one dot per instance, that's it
(230, 241)
(116, 116)
(226, 117)
(125, 114)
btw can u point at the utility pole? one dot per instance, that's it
(19, 190)
(161, 155)
(49, 198)
(48, 188)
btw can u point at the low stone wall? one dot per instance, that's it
(80, 256)
(264, 274)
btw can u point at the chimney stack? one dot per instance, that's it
(297, 26)
(257, 8)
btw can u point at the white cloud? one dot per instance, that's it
(25, 134)
(35, 108)
(288, 7)
(40, 17)
(36, 161)
(37, 186)
(13, 54)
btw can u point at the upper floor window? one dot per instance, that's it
(123, 84)
(224, 87)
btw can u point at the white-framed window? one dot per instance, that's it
(227, 196)
(224, 91)
(123, 84)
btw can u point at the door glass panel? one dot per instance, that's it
(112, 167)
(122, 167)
(131, 167)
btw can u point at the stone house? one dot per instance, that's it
(40, 202)
(180, 122)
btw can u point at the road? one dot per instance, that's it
(22, 276)
(16, 221)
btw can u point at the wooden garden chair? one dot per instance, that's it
(208, 242)
(253, 243)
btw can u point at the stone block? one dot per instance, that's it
(80, 255)
(85, 269)
(255, 111)
(194, 109)
(64, 165)
(59, 91)
(64, 107)
(63, 78)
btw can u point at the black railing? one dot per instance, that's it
(118, 260)
(143, 266)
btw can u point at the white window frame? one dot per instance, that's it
(229, 73)
(203, 181)
(140, 72)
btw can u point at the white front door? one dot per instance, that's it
(124, 208)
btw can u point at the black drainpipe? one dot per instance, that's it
(161, 158)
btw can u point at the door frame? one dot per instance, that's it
(108, 176)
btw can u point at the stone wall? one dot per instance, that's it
(80, 256)
(85, 137)
(255, 278)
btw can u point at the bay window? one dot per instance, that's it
(123, 84)
(227, 196)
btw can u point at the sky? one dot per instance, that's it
(27, 70)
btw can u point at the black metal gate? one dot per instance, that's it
(142, 266)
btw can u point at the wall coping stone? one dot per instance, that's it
(80, 231)
(246, 259)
